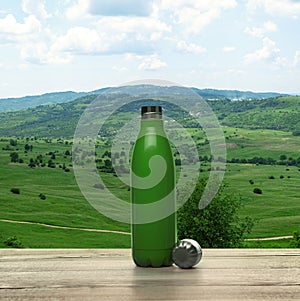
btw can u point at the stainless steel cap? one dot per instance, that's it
(151, 112)
(186, 253)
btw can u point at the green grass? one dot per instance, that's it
(244, 143)
(35, 236)
(64, 206)
(276, 211)
(280, 243)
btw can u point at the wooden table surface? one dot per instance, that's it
(109, 274)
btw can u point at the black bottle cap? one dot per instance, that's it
(151, 112)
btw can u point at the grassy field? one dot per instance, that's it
(276, 210)
(243, 143)
(36, 236)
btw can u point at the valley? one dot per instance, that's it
(263, 152)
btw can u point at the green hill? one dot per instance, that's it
(280, 113)
(235, 94)
(60, 120)
(15, 104)
(259, 156)
(55, 120)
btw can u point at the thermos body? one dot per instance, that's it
(152, 242)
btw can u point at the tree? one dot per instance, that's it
(51, 164)
(31, 163)
(282, 157)
(28, 147)
(216, 226)
(13, 142)
(14, 157)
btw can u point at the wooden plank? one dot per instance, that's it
(109, 274)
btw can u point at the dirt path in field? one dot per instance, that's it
(64, 227)
(116, 232)
(269, 238)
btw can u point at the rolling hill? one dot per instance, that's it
(15, 104)
(60, 119)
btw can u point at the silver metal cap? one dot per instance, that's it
(151, 112)
(186, 253)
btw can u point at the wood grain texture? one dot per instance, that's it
(109, 274)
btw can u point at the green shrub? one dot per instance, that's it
(15, 190)
(13, 242)
(216, 226)
(257, 190)
(42, 196)
(296, 240)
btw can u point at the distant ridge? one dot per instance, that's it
(235, 94)
(16, 104)
(26, 102)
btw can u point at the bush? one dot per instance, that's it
(218, 225)
(281, 177)
(51, 164)
(271, 177)
(296, 240)
(13, 242)
(42, 196)
(15, 190)
(14, 157)
(251, 182)
(296, 133)
(257, 190)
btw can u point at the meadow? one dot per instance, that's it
(276, 211)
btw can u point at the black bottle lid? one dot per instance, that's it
(151, 112)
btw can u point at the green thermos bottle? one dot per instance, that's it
(152, 179)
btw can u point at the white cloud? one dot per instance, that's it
(78, 10)
(10, 26)
(151, 62)
(40, 53)
(261, 31)
(119, 69)
(228, 49)
(194, 15)
(140, 26)
(85, 41)
(235, 72)
(36, 8)
(289, 8)
(269, 51)
(81, 40)
(190, 48)
(121, 34)
(297, 58)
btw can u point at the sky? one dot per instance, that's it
(84, 45)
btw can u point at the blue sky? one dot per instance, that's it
(82, 45)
